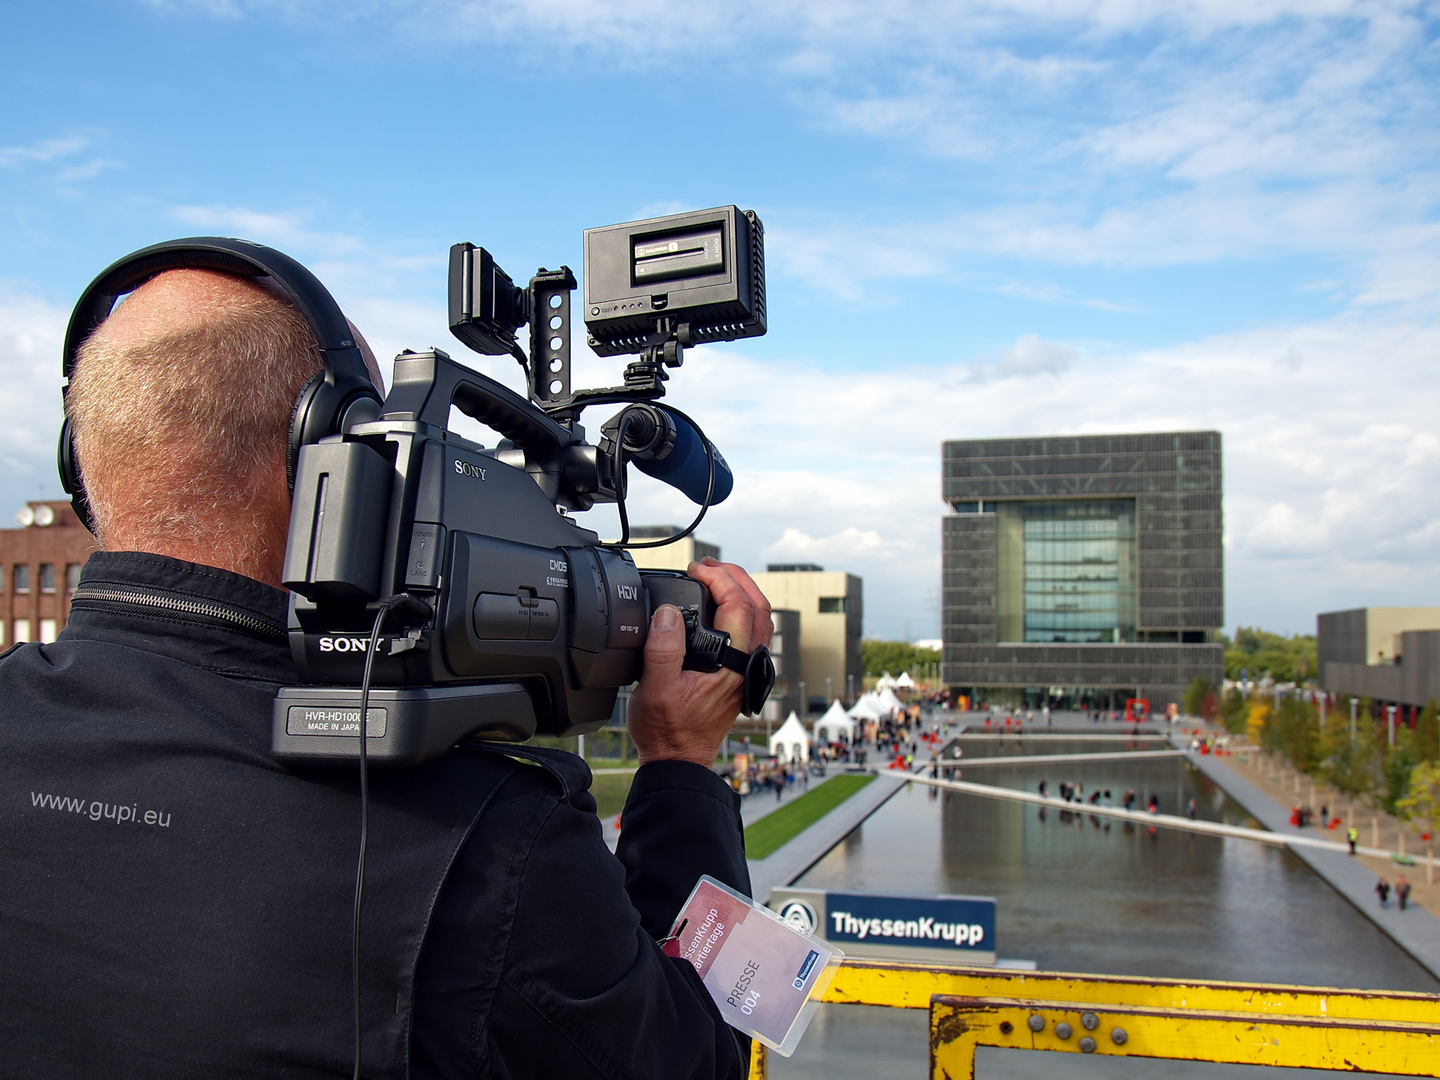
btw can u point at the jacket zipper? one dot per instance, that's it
(188, 608)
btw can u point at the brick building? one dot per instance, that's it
(39, 569)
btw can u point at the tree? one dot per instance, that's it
(1427, 732)
(1422, 800)
(1200, 698)
(1257, 725)
(1233, 711)
(1397, 763)
(1292, 659)
(1350, 764)
(893, 656)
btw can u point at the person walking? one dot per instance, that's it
(1353, 836)
(1402, 891)
(1189, 809)
(1382, 890)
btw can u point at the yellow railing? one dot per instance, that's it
(1296, 1026)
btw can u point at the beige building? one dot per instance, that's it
(784, 645)
(676, 556)
(1390, 654)
(831, 611)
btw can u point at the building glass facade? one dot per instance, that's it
(1066, 570)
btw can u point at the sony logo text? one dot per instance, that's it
(464, 468)
(344, 644)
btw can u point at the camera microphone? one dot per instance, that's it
(665, 445)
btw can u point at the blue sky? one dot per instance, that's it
(1018, 217)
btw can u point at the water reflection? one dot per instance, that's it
(1080, 893)
(1076, 892)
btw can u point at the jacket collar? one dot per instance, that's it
(201, 615)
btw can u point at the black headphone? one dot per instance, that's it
(322, 405)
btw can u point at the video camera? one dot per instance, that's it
(502, 617)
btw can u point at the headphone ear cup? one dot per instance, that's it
(320, 410)
(68, 466)
(301, 424)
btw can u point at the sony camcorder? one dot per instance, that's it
(502, 617)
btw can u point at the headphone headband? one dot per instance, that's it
(326, 400)
(341, 356)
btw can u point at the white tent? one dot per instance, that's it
(885, 682)
(866, 709)
(835, 725)
(888, 701)
(904, 682)
(791, 742)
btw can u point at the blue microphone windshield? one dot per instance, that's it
(685, 467)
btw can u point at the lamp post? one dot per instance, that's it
(1390, 723)
(1353, 705)
(827, 690)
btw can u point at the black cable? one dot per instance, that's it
(386, 606)
(622, 479)
(624, 541)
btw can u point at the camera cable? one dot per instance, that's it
(622, 483)
(413, 606)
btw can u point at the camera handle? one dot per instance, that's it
(426, 384)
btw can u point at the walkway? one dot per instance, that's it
(1416, 930)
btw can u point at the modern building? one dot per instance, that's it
(831, 607)
(786, 651)
(39, 569)
(1391, 655)
(1082, 570)
(676, 556)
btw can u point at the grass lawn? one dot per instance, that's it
(610, 790)
(777, 828)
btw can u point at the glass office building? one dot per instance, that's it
(1082, 570)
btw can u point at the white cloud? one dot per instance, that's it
(641, 27)
(42, 152)
(1331, 498)
(88, 171)
(284, 229)
(31, 332)
(1031, 355)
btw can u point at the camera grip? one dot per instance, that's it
(706, 648)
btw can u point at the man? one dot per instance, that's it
(178, 904)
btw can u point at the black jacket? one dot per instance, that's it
(175, 903)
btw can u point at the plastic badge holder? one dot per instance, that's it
(766, 976)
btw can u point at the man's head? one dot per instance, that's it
(181, 403)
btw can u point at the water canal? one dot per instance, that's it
(1076, 893)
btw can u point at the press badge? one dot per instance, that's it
(766, 976)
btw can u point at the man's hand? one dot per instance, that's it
(678, 715)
